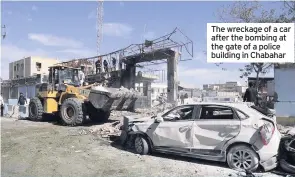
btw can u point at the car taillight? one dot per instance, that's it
(266, 132)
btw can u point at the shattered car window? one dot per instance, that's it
(216, 112)
(241, 114)
(180, 113)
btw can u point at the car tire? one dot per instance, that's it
(287, 166)
(141, 145)
(240, 155)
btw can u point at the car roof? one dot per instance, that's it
(245, 107)
(238, 105)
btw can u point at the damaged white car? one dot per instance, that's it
(235, 133)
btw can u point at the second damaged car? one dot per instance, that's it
(235, 133)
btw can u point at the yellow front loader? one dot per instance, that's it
(63, 96)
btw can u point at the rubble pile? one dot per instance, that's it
(118, 115)
(284, 129)
(99, 88)
(107, 130)
(113, 128)
(14, 112)
(124, 92)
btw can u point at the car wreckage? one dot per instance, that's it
(236, 133)
(287, 152)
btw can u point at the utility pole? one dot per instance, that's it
(99, 25)
(99, 28)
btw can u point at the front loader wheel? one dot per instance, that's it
(71, 112)
(36, 109)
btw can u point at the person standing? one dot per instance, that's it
(114, 61)
(2, 105)
(120, 64)
(22, 100)
(250, 94)
(105, 64)
(81, 75)
(182, 99)
(121, 55)
(98, 66)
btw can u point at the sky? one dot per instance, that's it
(67, 30)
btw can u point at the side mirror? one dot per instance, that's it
(159, 119)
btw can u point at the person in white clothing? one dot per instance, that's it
(81, 76)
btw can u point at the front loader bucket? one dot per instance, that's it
(112, 98)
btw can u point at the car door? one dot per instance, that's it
(213, 127)
(174, 134)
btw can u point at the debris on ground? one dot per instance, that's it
(284, 129)
(287, 153)
(106, 130)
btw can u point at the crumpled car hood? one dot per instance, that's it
(138, 122)
(138, 118)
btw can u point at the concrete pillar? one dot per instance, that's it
(147, 91)
(131, 75)
(128, 78)
(172, 75)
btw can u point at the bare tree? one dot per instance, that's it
(253, 12)
(258, 68)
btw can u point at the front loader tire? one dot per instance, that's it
(36, 109)
(72, 112)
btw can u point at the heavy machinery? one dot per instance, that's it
(63, 96)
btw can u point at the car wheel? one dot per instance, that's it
(141, 145)
(242, 157)
(288, 167)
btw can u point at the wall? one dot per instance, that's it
(241, 89)
(10, 70)
(285, 88)
(157, 89)
(27, 66)
(221, 99)
(45, 63)
(226, 94)
(13, 93)
(16, 69)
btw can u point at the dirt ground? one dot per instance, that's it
(45, 149)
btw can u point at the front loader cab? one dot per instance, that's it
(60, 75)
